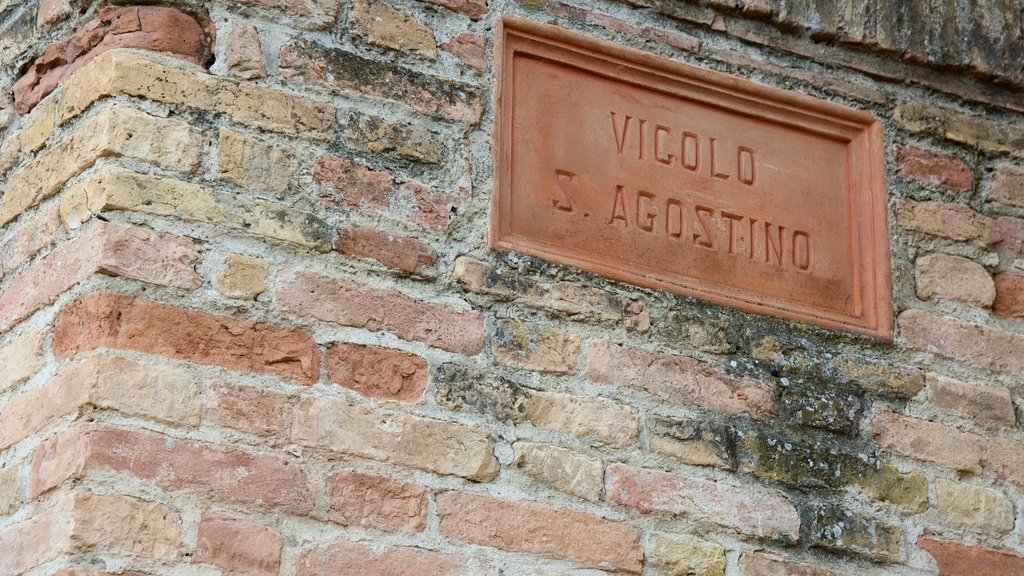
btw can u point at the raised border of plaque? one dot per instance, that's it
(813, 164)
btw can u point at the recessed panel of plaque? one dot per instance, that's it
(667, 176)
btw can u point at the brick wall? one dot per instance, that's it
(249, 323)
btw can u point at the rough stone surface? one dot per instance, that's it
(375, 135)
(694, 442)
(532, 347)
(840, 529)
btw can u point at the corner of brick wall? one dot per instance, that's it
(249, 323)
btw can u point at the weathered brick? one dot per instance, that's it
(243, 54)
(377, 372)
(236, 545)
(270, 480)
(342, 558)
(954, 278)
(683, 555)
(694, 442)
(21, 357)
(52, 11)
(377, 502)
(472, 8)
(341, 71)
(659, 35)
(247, 408)
(25, 239)
(82, 522)
(114, 249)
(976, 401)
(600, 418)
(376, 135)
(963, 505)
(748, 511)
(317, 14)
(985, 133)
(243, 277)
(579, 303)
(837, 528)
(105, 381)
(10, 500)
(1009, 296)
(253, 164)
(971, 343)
(112, 189)
(532, 346)
(953, 221)
(762, 564)
(352, 303)
(381, 24)
(166, 30)
(934, 168)
(104, 320)
(402, 439)
(821, 463)
(1007, 186)
(539, 529)
(956, 559)
(965, 451)
(114, 131)
(464, 389)
(819, 403)
(561, 469)
(469, 48)
(877, 377)
(132, 73)
(677, 379)
(404, 253)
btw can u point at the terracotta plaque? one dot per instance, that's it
(672, 177)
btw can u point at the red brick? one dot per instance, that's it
(342, 558)
(747, 511)
(953, 221)
(956, 559)
(1006, 235)
(949, 447)
(1007, 186)
(377, 502)
(539, 529)
(934, 168)
(677, 379)
(954, 278)
(242, 54)
(247, 408)
(52, 11)
(392, 250)
(472, 8)
(269, 480)
(127, 251)
(1009, 296)
(977, 401)
(351, 303)
(674, 39)
(85, 522)
(105, 320)
(236, 545)
(165, 30)
(469, 48)
(972, 343)
(340, 181)
(377, 372)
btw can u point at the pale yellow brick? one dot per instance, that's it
(253, 164)
(9, 498)
(964, 505)
(600, 418)
(684, 555)
(381, 24)
(114, 131)
(243, 277)
(114, 189)
(20, 358)
(562, 469)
